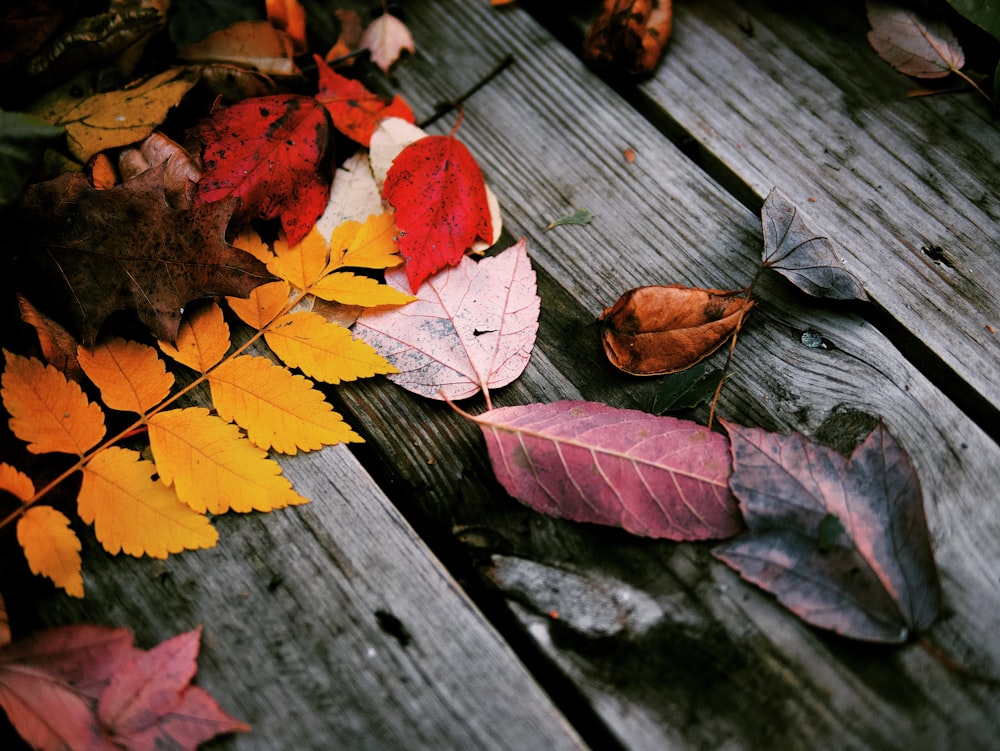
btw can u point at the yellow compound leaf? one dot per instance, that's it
(371, 245)
(324, 351)
(303, 264)
(278, 409)
(250, 241)
(262, 305)
(130, 375)
(48, 412)
(202, 340)
(51, 547)
(213, 467)
(117, 118)
(16, 482)
(350, 289)
(135, 514)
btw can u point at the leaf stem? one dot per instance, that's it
(443, 108)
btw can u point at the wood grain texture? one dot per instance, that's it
(725, 665)
(328, 625)
(909, 188)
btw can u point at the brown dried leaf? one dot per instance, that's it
(630, 35)
(656, 330)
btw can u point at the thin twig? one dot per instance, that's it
(443, 108)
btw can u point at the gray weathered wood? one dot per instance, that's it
(328, 625)
(726, 666)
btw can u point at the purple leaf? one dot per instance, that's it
(806, 259)
(870, 574)
(653, 476)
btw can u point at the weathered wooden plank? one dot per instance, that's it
(723, 665)
(328, 625)
(909, 188)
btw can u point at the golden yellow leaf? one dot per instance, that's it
(213, 467)
(16, 482)
(278, 409)
(130, 375)
(202, 339)
(51, 547)
(351, 289)
(117, 118)
(133, 513)
(372, 245)
(302, 264)
(262, 305)
(48, 412)
(324, 351)
(250, 241)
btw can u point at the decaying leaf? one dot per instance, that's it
(652, 476)
(124, 248)
(180, 173)
(58, 345)
(686, 389)
(253, 45)
(630, 35)
(807, 260)
(870, 575)
(89, 687)
(912, 44)
(117, 118)
(386, 37)
(438, 192)
(460, 336)
(272, 154)
(656, 330)
(290, 17)
(351, 30)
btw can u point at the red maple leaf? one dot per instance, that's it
(439, 195)
(354, 109)
(272, 153)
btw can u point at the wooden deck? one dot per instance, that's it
(407, 606)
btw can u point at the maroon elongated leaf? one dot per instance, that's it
(841, 542)
(653, 476)
(911, 44)
(807, 260)
(471, 328)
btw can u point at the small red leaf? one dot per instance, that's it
(653, 476)
(842, 543)
(439, 195)
(354, 109)
(273, 154)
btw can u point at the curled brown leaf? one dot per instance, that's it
(630, 35)
(663, 329)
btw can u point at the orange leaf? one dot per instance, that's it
(16, 482)
(630, 34)
(371, 245)
(324, 351)
(290, 17)
(48, 412)
(251, 242)
(278, 410)
(355, 110)
(213, 467)
(131, 376)
(51, 547)
(263, 304)
(303, 263)
(202, 339)
(133, 513)
(657, 330)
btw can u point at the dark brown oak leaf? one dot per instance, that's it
(97, 252)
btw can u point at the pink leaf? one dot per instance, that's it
(911, 44)
(472, 327)
(652, 476)
(843, 543)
